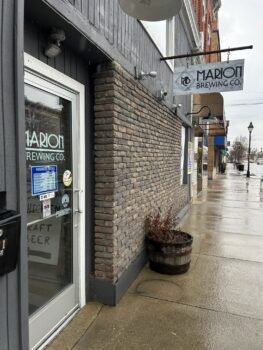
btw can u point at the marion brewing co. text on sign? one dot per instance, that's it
(206, 78)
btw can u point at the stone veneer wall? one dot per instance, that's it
(137, 167)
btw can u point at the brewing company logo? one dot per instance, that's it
(41, 146)
(186, 80)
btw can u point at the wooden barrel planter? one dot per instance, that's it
(170, 258)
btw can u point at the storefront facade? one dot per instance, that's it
(87, 151)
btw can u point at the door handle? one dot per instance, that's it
(78, 210)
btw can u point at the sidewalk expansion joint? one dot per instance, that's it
(243, 208)
(227, 257)
(227, 232)
(86, 330)
(201, 307)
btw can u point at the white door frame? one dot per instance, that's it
(51, 75)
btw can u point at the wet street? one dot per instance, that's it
(217, 305)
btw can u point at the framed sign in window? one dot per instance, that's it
(44, 179)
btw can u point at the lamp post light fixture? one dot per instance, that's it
(250, 129)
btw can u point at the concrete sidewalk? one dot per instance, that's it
(217, 305)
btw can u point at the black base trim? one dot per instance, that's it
(180, 215)
(110, 294)
(169, 269)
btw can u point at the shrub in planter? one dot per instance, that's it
(169, 249)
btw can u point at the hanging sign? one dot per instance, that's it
(207, 78)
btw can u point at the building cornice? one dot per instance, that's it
(216, 5)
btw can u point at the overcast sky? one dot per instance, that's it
(241, 25)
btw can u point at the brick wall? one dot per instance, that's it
(208, 27)
(198, 7)
(215, 41)
(137, 167)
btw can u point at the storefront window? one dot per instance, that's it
(48, 146)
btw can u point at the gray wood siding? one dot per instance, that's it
(12, 323)
(67, 62)
(126, 40)
(122, 37)
(181, 46)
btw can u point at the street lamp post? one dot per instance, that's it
(250, 129)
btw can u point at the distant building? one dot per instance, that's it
(208, 145)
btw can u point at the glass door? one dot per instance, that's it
(53, 204)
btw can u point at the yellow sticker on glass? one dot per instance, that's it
(67, 178)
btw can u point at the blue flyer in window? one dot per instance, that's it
(44, 179)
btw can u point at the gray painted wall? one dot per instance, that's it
(13, 301)
(123, 38)
(68, 62)
(181, 45)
